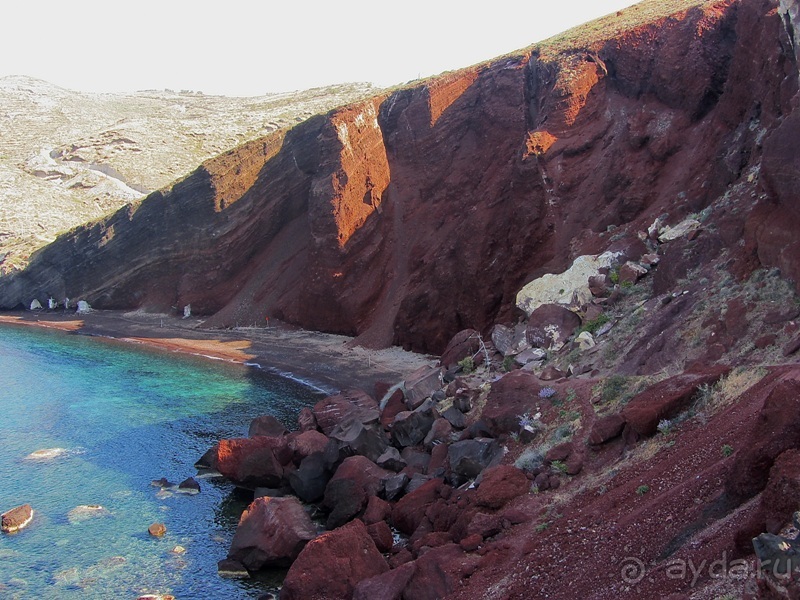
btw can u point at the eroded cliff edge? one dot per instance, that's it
(408, 217)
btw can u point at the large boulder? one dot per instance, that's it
(15, 519)
(345, 500)
(421, 384)
(463, 344)
(409, 428)
(387, 586)
(455, 417)
(356, 437)
(331, 566)
(408, 513)
(776, 430)
(550, 326)
(440, 572)
(391, 460)
(606, 428)
(306, 421)
(500, 485)
(306, 443)
(510, 340)
(309, 480)
(394, 404)
(468, 458)
(666, 399)
(266, 425)
(779, 498)
(510, 397)
(348, 491)
(382, 535)
(377, 510)
(332, 410)
(440, 432)
(249, 462)
(271, 533)
(395, 486)
(571, 286)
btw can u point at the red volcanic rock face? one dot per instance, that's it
(777, 430)
(381, 219)
(779, 499)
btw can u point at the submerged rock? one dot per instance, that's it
(46, 454)
(84, 512)
(157, 529)
(163, 483)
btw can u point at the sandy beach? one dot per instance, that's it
(328, 362)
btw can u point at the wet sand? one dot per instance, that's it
(326, 361)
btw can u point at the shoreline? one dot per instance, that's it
(326, 362)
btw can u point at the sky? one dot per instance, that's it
(254, 47)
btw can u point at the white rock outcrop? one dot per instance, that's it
(567, 288)
(683, 228)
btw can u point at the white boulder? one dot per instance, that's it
(567, 288)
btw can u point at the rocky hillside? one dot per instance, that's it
(69, 157)
(417, 213)
(599, 236)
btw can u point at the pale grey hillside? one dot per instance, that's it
(69, 157)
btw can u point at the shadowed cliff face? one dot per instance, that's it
(408, 217)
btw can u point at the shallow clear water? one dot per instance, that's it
(125, 416)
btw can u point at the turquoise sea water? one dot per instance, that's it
(124, 416)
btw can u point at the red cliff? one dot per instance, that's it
(422, 212)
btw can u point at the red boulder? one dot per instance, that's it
(510, 397)
(462, 345)
(330, 566)
(306, 443)
(331, 411)
(248, 462)
(666, 399)
(410, 510)
(606, 428)
(271, 532)
(501, 484)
